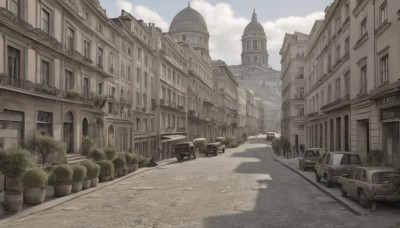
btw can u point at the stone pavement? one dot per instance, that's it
(52, 202)
(383, 212)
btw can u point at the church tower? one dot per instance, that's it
(254, 44)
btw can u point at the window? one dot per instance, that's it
(338, 54)
(347, 46)
(69, 80)
(383, 13)
(363, 80)
(337, 93)
(145, 80)
(347, 84)
(86, 49)
(364, 27)
(300, 51)
(384, 70)
(86, 87)
(138, 75)
(100, 27)
(15, 7)
(347, 10)
(146, 61)
(70, 39)
(338, 25)
(45, 21)
(329, 93)
(45, 72)
(100, 88)
(100, 57)
(44, 123)
(301, 72)
(139, 53)
(112, 61)
(13, 65)
(254, 44)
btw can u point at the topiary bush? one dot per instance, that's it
(79, 172)
(135, 159)
(119, 163)
(97, 154)
(128, 158)
(63, 174)
(34, 178)
(200, 145)
(106, 168)
(277, 146)
(49, 151)
(110, 153)
(89, 166)
(94, 171)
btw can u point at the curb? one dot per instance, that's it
(335, 197)
(57, 201)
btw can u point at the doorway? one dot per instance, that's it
(391, 145)
(69, 132)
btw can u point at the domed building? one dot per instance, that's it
(189, 26)
(254, 44)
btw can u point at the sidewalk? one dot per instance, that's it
(334, 192)
(52, 202)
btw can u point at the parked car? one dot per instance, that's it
(270, 136)
(185, 149)
(215, 148)
(368, 185)
(334, 164)
(222, 141)
(310, 157)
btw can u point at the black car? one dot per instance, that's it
(185, 149)
(215, 148)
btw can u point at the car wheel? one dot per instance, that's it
(189, 156)
(216, 153)
(317, 178)
(328, 183)
(362, 199)
(344, 193)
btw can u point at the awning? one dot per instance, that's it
(167, 138)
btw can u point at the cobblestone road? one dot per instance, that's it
(245, 187)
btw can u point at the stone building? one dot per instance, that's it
(293, 86)
(251, 115)
(256, 75)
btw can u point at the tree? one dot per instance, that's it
(49, 151)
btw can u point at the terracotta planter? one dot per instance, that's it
(135, 167)
(94, 182)
(34, 196)
(86, 184)
(62, 189)
(130, 168)
(12, 202)
(50, 191)
(105, 179)
(76, 186)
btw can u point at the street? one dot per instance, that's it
(245, 187)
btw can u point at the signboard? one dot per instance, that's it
(390, 114)
(393, 98)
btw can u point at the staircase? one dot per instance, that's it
(75, 158)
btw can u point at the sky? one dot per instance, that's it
(226, 20)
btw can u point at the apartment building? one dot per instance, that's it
(293, 89)
(251, 115)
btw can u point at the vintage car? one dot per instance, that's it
(334, 164)
(222, 141)
(185, 149)
(368, 185)
(310, 157)
(270, 136)
(215, 148)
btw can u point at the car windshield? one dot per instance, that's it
(381, 177)
(311, 153)
(345, 159)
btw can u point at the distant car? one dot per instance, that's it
(334, 164)
(222, 141)
(368, 185)
(270, 136)
(185, 149)
(215, 148)
(310, 157)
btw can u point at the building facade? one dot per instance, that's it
(293, 89)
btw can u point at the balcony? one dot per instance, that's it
(47, 89)
(100, 66)
(5, 80)
(193, 114)
(180, 107)
(313, 114)
(13, 18)
(338, 103)
(181, 129)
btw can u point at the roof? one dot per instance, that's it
(254, 26)
(188, 17)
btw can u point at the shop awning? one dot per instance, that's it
(167, 138)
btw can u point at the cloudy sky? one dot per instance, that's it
(226, 20)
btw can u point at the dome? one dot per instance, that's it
(254, 27)
(188, 18)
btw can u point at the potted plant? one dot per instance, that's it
(135, 162)
(34, 181)
(79, 174)
(141, 160)
(87, 145)
(128, 159)
(94, 175)
(97, 154)
(110, 153)
(49, 151)
(13, 163)
(87, 181)
(119, 163)
(106, 170)
(63, 175)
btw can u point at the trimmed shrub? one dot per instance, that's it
(63, 174)
(49, 151)
(200, 145)
(135, 159)
(94, 171)
(110, 153)
(277, 146)
(34, 178)
(106, 168)
(89, 166)
(128, 158)
(14, 162)
(79, 172)
(119, 163)
(97, 154)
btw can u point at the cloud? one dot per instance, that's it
(144, 13)
(226, 28)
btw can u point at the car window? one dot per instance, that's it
(358, 174)
(381, 177)
(316, 154)
(328, 160)
(352, 174)
(309, 153)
